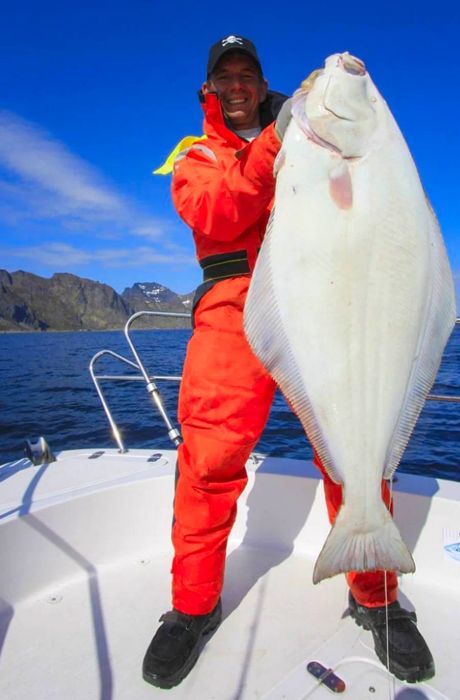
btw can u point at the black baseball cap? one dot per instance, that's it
(231, 43)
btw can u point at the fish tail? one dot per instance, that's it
(347, 549)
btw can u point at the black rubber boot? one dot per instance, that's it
(174, 649)
(408, 654)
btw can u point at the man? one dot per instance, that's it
(223, 188)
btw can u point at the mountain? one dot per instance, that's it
(67, 302)
(151, 296)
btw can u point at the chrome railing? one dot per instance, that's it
(442, 397)
(151, 386)
(150, 381)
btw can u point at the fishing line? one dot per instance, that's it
(391, 680)
(386, 629)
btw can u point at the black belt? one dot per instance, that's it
(225, 265)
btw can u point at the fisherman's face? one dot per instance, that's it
(240, 88)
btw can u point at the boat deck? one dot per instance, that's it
(85, 576)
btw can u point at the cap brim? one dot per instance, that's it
(227, 49)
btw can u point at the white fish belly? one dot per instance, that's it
(350, 309)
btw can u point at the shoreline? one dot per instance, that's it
(93, 330)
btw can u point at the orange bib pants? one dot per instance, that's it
(224, 403)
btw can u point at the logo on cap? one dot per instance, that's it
(232, 40)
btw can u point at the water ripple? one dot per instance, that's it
(47, 390)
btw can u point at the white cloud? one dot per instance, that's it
(63, 256)
(148, 230)
(35, 157)
(44, 180)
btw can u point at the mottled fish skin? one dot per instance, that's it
(353, 237)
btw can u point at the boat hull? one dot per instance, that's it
(86, 556)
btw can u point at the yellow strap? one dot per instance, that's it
(186, 142)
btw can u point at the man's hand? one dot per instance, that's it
(308, 82)
(283, 119)
(285, 114)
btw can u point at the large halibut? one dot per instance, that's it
(352, 300)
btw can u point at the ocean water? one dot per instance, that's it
(46, 389)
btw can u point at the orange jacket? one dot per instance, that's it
(223, 187)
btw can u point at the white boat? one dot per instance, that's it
(85, 559)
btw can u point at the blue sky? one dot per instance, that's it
(95, 94)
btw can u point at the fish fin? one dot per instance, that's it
(346, 549)
(440, 314)
(264, 328)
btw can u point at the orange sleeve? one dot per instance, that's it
(220, 200)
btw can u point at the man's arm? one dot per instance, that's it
(221, 200)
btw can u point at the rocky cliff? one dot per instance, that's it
(68, 302)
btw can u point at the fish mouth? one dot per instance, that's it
(352, 65)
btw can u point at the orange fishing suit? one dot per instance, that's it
(223, 188)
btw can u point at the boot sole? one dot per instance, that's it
(409, 675)
(166, 683)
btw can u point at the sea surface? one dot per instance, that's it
(46, 389)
